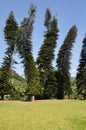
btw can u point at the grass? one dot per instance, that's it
(43, 115)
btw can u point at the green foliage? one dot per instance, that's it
(51, 86)
(46, 52)
(24, 47)
(81, 72)
(10, 29)
(16, 87)
(48, 17)
(63, 63)
(19, 87)
(10, 32)
(60, 89)
(74, 89)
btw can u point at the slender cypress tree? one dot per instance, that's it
(46, 53)
(63, 64)
(10, 33)
(24, 46)
(81, 72)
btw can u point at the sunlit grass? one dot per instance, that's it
(43, 115)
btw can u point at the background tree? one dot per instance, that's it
(81, 72)
(10, 33)
(63, 64)
(46, 53)
(24, 35)
(19, 87)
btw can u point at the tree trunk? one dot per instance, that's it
(2, 97)
(32, 98)
(68, 96)
(84, 96)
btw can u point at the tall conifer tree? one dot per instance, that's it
(10, 33)
(24, 46)
(81, 72)
(46, 53)
(63, 64)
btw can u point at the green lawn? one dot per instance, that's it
(43, 115)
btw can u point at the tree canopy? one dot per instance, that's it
(81, 71)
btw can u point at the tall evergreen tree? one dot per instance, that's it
(81, 72)
(10, 33)
(24, 35)
(46, 53)
(63, 64)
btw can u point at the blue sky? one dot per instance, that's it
(69, 13)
